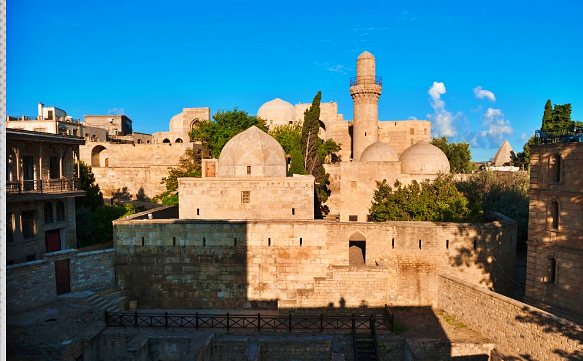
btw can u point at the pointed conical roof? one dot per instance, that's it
(502, 155)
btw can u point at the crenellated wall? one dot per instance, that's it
(170, 263)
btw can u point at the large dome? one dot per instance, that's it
(379, 152)
(252, 153)
(277, 112)
(424, 158)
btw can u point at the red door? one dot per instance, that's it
(53, 240)
(62, 276)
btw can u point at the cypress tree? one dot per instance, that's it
(547, 123)
(310, 140)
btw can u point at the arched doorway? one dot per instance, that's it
(95, 154)
(166, 140)
(178, 140)
(357, 250)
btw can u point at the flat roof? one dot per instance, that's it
(20, 134)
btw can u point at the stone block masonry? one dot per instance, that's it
(179, 263)
(519, 330)
(33, 284)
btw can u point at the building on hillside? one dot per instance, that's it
(40, 193)
(555, 228)
(48, 120)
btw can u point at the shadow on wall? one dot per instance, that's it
(568, 330)
(494, 253)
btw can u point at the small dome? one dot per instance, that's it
(366, 55)
(252, 153)
(176, 123)
(424, 158)
(277, 112)
(379, 152)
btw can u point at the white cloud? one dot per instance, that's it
(115, 110)
(443, 119)
(497, 128)
(482, 93)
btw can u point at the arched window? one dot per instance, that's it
(60, 211)
(166, 140)
(48, 212)
(96, 153)
(139, 141)
(551, 276)
(555, 165)
(178, 140)
(555, 215)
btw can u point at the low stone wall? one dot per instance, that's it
(33, 284)
(518, 329)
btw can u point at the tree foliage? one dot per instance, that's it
(458, 154)
(437, 201)
(522, 159)
(225, 125)
(557, 119)
(290, 138)
(189, 165)
(96, 226)
(93, 197)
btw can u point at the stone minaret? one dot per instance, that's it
(365, 90)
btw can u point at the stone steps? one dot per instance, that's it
(107, 300)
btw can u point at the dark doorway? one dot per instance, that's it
(62, 276)
(53, 240)
(357, 253)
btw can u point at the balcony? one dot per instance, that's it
(545, 137)
(362, 80)
(43, 186)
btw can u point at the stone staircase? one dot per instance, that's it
(364, 347)
(110, 300)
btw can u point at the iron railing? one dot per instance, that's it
(546, 137)
(366, 80)
(42, 186)
(257, 322)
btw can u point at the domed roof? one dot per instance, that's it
(379, 152)
(176, 123)
(277, 112)
(424, 158)
(366, 55)
(252, 153)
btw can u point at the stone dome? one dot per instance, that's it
(365, 55)
(379, 152)
(424, 158)
(277, 112)
(176, 123)
(252, 153)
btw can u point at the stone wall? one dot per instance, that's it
(269, 198)
(555, 253)
(302, 264)
(33, 284)
(528, 333)
(401, 134)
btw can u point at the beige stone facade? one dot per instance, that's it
(181, 124)
(555, 229)
(40, 194)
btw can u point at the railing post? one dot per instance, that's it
(290, 321)
(370, 321)
(40, 182)
(197, 320)
(258, 321)
(353, 323)
(321, 322)
(136, 319)
(166, 319)
(228, 321)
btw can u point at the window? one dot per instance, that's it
(9, 227)
(293, 211)
(551, 276)
(353, 218)
(28, 224)
(60, 211)
(245, 197)
(555, 215)
(48, 213)
(412, 131)
(248, 169)
(555, 168)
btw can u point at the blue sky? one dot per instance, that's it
(482, 71)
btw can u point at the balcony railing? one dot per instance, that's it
(546, 137)
(42, 186)
(366, 80)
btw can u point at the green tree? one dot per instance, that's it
(547, 116)
(310, 130)
(290, 138)
(458, 154)
(557, 119)
(522, 159)
(189, 165)
(93, 197)
(224, 126)
(437, 201)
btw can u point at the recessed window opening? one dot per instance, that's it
(268, 242)
(48, 212)
(248, 169)
(551, 276)
(555, 165)
(301, 241)
(365, 134)
(245, 197)
(204, 241)
(198, 211)
(475, 244)
(174, 241)
(447, 243)
(555, 215)
(293, 211)
(143, 241)
(419, 244)
(393, 244)
(235, 241)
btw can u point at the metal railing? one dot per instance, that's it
(256, 322)
(42, 186)
(546, 137)
(366, 80)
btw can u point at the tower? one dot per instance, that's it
(365, 90)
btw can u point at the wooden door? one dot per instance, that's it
(62, 276)
(53, 240)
